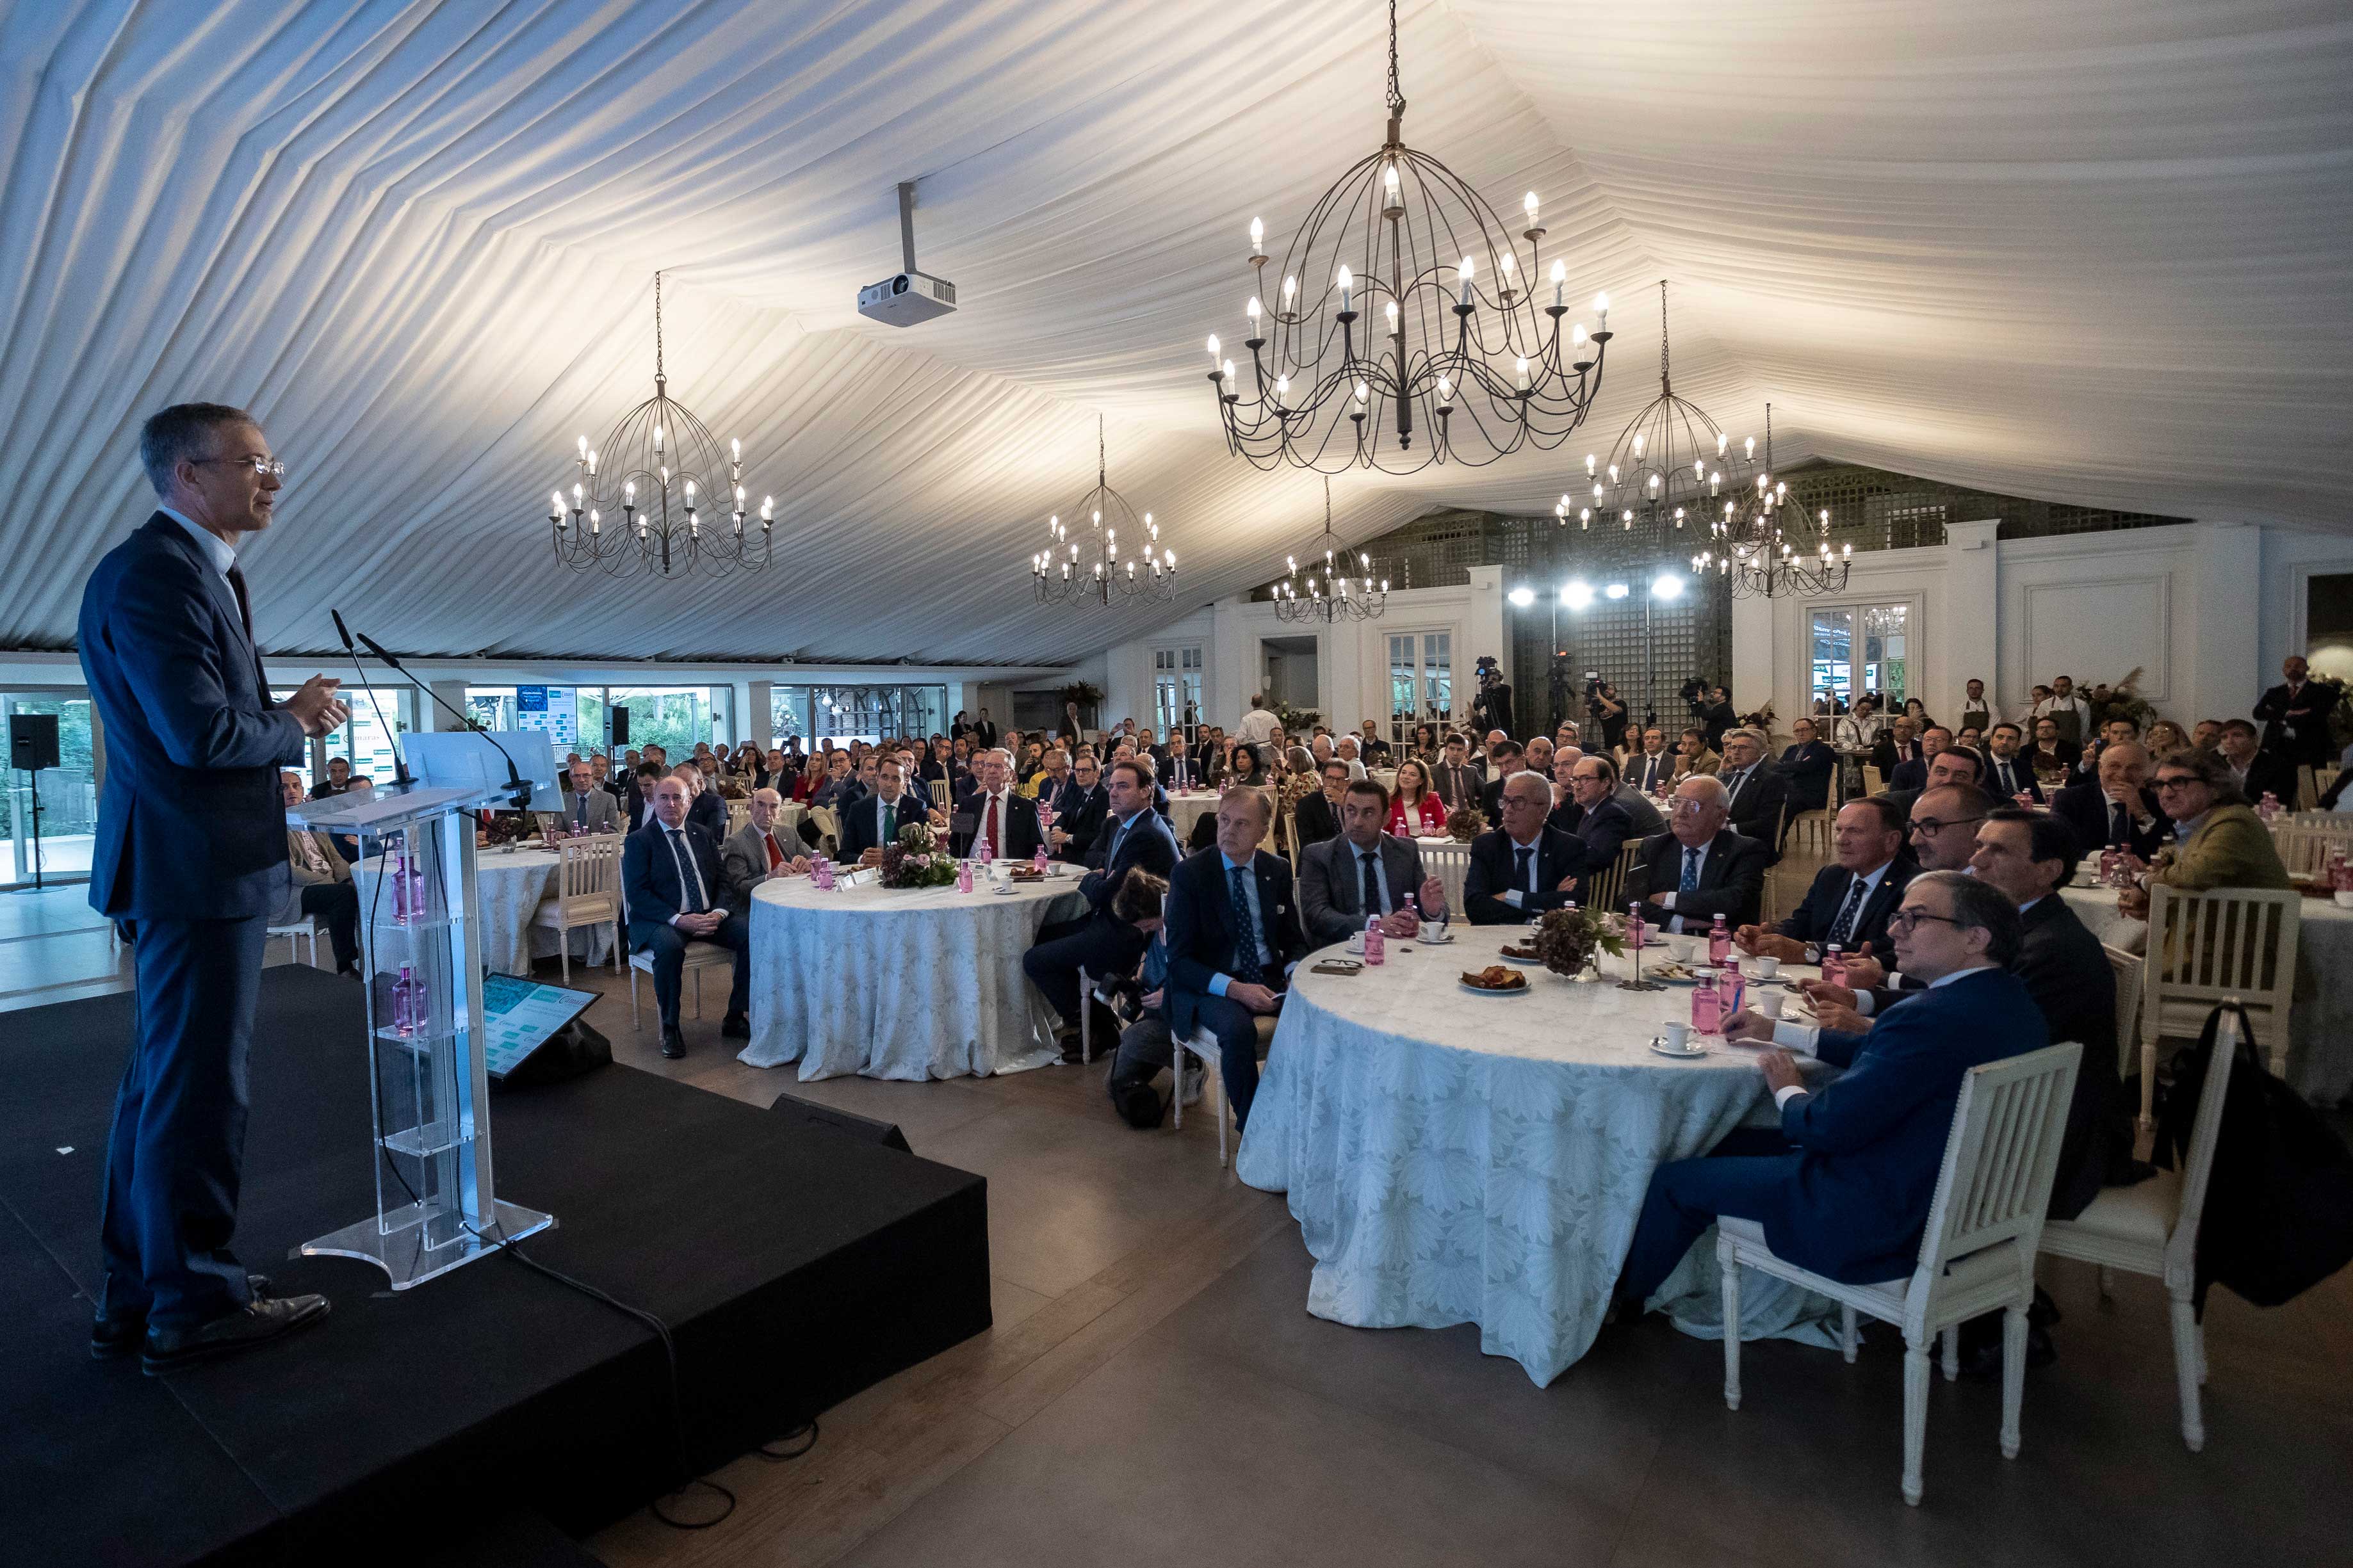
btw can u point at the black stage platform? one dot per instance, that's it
(794, 1266)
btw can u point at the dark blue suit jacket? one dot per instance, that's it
(1558, 855)
(1808, 768)
(2022, 774)
(1149, 842)
(1812, 919)
(650, 879)
(190, 824)
(1854, 1202)
(708, 811)
(858, 821)
(1200, 929)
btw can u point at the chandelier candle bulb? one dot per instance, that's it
(1347, 286)
(1559, 287)
(1523, 372)
(1463, 272)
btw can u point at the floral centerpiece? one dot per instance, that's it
(1465, 823)
(917, 861)
(1567, 940)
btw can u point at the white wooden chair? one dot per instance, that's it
(2151, 1227)
(1873, 781)
(2125, 969)
(1449, 863)
(739, 817)
(1809, 834)
(2221, 945)
(1978, 1254)
(699, 956)
(943, 793)
(305, 929)
(828, 828)
(1203, 1045)
(2307, 789)
(2304, 844)
(1605, 888)
(588, 893)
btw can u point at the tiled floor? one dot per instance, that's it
(1153, 1392)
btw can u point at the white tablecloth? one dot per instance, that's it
(510, 888)
(1185, 810)
(1456, 1158)
(2320, 1016)
(899, 984)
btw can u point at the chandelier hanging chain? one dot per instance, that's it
(1397, 94)
(658, 377)
(1665, 387)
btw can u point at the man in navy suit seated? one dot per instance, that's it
(704, 808)
(1099, 943)
(1081, 806)
(1526, 866)
(1234, 938)
(189, 858)
(2008, 772)
(2118, 808)
(1699, 868)
(873, 824)
(1844, 1186)
(1851, 897)
(1809, 767)
(999, 815)
(670, 875)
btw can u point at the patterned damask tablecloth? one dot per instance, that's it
(1458, 1158)
(900, 982)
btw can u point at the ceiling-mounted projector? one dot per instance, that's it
(910, 296)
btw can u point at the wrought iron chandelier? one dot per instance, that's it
(1403, 240)
(1332, 593)
(656, 480)
(1669, 465)
(1755, 552)
(1091, 567)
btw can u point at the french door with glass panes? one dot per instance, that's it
(1422, 681)
(1859, 650)
(1175, 685)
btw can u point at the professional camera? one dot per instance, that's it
(1694, 691)
(1595, 688)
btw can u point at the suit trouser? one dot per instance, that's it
(1235, 1028)
(667, 945)
(1102, 946)
(1743, 1176)
(175, 1152)
(339, 902)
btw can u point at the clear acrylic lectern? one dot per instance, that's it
(437, 1205)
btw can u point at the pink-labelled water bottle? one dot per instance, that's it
(402, 912)
(1707, 1007)
(964, 876)
(1719, 942)
(404, 1009)
(1731, 991)
(1834, 965)
(1376, 949)
(2269, 807)
(1037, 861)
(1635, 928)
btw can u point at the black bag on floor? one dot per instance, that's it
(2279, 1205)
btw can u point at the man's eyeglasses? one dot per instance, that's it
(1903, 920)
(2178, 781)
(1928, 826)
(263, 468)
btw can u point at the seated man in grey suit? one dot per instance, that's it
(1345, 881)
(756, 852)
(587, 808)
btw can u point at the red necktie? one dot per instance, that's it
(988, 825)
(775, 855)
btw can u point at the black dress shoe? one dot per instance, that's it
(167, 1350)
(113, 1336)
(736, 1027)
(673, 1043)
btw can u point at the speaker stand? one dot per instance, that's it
(33, 777)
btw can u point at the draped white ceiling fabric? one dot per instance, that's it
(2093, 254)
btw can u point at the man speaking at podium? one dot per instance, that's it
(189, 860)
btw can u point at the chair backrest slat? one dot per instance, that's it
(2125, 968)
(2001, 1155)
(2207, 945)
(2180, 1249)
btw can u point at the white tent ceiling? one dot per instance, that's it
(2094, 254)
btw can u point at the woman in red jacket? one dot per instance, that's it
(1415, 806)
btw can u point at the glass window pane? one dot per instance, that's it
(1832, 655)
(69, 798)
(672, 717)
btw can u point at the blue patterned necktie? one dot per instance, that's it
(1690, 884)
(1842, 929)
(1525, 853)
(1246, 964)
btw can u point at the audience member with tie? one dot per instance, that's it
(1848, 903)
(1526, 866)
(321, 885)
(705, 808)
(338, 779)
(872, 823)
(1233, 940)
(671, 879)
(587, 808)
(1317, 816)
(1456, 780)
(1133, 836)
(1842, 1187)
(1913, 773)
(756, 853)
(2008, 774)
(1757, 798)
(189, 858)
(1590, 808)
(1699, 869)
(1504, 759)
(1081, 808)
(2294, 716)
(1942, 837)
(1363, 872)
(1806, 768)
(998, 816)
(1652, 771)
(2254, 771)
(2117, 809)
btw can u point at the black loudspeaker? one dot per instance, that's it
(620, 726)
(825, 1117)
(32, 741)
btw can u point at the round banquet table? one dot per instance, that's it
(1185, 810)
(910, 984)
(2320, 1015)
(1456, 1158)
(509, 887)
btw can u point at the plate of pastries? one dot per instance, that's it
(1495, 980)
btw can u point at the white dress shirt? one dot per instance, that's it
(689, 872)
(216, 549)
(1801, 1038)
(1666, 901)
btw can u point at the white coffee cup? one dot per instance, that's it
(1683, 947)
(1678, 1035)
(1765, 968)
(1769, 1003)
(1356, 943)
